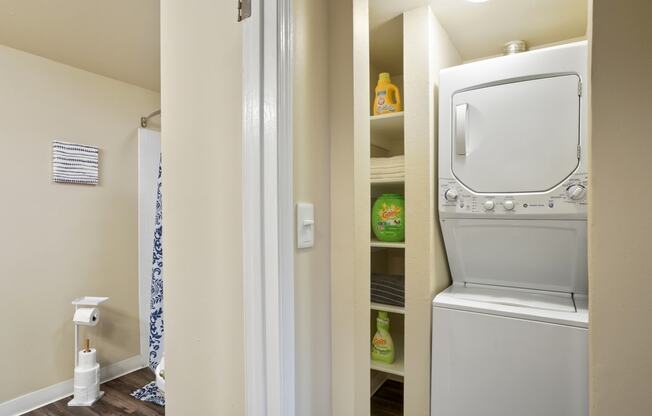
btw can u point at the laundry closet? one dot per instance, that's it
(483, 169)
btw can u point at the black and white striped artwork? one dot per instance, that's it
(75, 163)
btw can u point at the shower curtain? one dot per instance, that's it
(156, 303)
(150, 391)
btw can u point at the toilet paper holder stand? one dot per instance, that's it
(86, 381)
(84, 302)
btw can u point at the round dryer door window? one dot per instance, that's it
(516, 137)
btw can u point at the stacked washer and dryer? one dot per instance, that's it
(510, 336)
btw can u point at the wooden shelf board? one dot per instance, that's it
(387, 181)
(388, 125)
(387, 116)
(387, 308)
(384, 244)
(387, 132)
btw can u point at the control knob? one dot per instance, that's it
(508, 205)
(576, 192)
(489, 205)
(450, 195)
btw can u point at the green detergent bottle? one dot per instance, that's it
(388, 218)
(382, 346)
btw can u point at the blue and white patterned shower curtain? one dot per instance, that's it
(156, 304)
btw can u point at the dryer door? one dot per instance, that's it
(516, 137)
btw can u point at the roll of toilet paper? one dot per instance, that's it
(87, 395)
(86, 377)
(87, 359)
(86, 316)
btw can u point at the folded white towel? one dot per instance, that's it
(387, 180)
(393, 176)
(388, 161)
(75, 163)
(398, 169)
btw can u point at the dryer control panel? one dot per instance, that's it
(569, 199)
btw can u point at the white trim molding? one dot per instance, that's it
(254, 329)
(268, 210)
(286, 206)
(55, 392)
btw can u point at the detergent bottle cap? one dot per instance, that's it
(384, 77)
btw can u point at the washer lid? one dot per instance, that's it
(545, 255)
(536, 305)
(517, 136)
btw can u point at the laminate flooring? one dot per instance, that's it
(116, 401)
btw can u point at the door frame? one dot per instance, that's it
(268, 210)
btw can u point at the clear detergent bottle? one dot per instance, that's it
(382, 345)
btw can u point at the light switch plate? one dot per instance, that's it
(305, 225)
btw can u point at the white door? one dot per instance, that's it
(516, 137)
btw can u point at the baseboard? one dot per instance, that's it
(47, 395)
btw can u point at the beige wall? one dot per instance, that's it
(620, 221)
(61, 241)
(443, 54)
(312, 184)
(201, 51)
(426, 50)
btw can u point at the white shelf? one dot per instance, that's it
(396, 367)
(387, 308)
(384, 244)
(387, 181)
(89, 301)
(388, 125)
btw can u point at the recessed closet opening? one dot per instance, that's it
(408, 43)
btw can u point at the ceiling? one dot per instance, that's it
(119, 39)
(481, 29)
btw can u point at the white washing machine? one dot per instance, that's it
(510, 334)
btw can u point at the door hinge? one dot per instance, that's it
(244, 9)
(579, 88)
(579, 151)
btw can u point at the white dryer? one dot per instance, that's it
(510, 334)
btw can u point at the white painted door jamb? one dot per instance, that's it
(268, 210)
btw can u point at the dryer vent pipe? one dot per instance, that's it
(514, 46)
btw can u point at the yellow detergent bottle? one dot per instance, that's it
(388, 98)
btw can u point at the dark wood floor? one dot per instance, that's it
(116, 401)
(388, 400)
